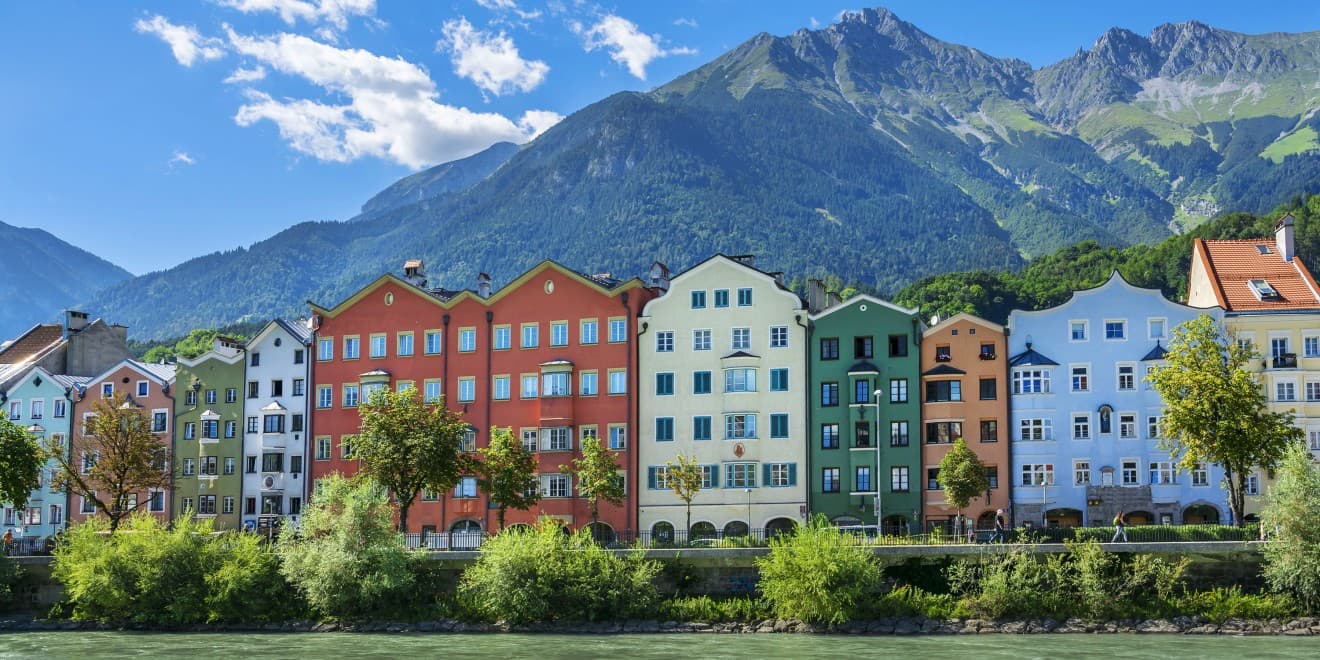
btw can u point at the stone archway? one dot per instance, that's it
(779, 527)
(1200, 514)
(1135, 518)
(662, 533)
(602, 533)
(735, 528)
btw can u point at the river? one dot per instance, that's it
(305, 646)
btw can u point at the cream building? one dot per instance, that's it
(1272, 302)
(722, 379)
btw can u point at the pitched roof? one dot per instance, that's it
(31, 343)
(1156, 353)
(163, 372)
(70, 381)
(1231, 265)
(1031, 358)
(943, 370)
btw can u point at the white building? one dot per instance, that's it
(722, 360)
(275, 430)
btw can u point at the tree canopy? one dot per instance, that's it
(598, 478)
(507, 473)
(20, 463)
(962, 475)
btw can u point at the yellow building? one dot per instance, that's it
(1272, 302)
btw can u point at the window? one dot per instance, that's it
(206, 505)
(502, 338)
(898, 434)
(1285, 390)
(559, 333)
(829, 394)
(142, 388)
(298, 356)
(942, 433)
(740, 426)
(1246, 344)
(587, 383)
(1153, 426)
(943, 353)
(1200, 475)
(664, 384)
(1278, 347)
(1081, 378)
(898, 479)
(405, 344)
(1162, 473)
(1082, 472)
(664, 429)
(741, 339)
(531, 439)
(1077, 330)
(701, 427)
(555, 485)
(898, 345)
(466, 488)
(933, 479)
(325, 349)
(989, 430)
(664, 341)
(1311, 346)
(210, 397)
(1036, 429)
(277, 388)
(1081, 427)
(467, 340)
(351, 348)
(829, 478)
(862, 479)
(618, 381)
(529, 387)
(15, 410)
(1115, 330)
(377, 347)
(863, 347)
(61, 408)
(1031, 381)
(159, 420)
(829, 348)
(250, 506)
(829, 436)
(779, 379)
(189, 467)
(431, 391)
(1156, 328)
(618, 437)
(944, 390)
(740, 475)
(1127, 425)
(256, 359)
(295, 464)
(350, 396)
(107, 390)
(721, 297)
(739, 380)
(500, 391)
(1037, 474)
(1253, 484)
(617, 330)
(989, 389)
(698, 300)
(189, 430)
(323, 448)
(229, 465)
(779, 425)
(231, 429)
(531, 335)
(779, 475)
(469, 441)
(467, 389)
(701, 340)
(1129, 471)
(1312, 391)
(744, 297)
(862, 391)
(210, 429)
(231, 394)
(253, 389)
(555, 384)
(273, 424)
(588, 331)
(1127, 377)
(778, 336)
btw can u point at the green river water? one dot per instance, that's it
(305, 646)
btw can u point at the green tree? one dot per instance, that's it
(1292, 557)
(119, 460)
(507, 473)
(818, 574)
(598, 478)
(685, 479)
(408, 446)
(1215, 410)
(20, 463)
(962, 476)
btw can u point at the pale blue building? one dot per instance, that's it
(1084, 421)
(41, 403)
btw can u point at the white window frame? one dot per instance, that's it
(1081, 471)
(1123, 471)
(1122, 327)
(1118, 376)
(1084, 375)
(1085, 327)
(701, 339)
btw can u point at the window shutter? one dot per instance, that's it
(714, 476)
(650, 477)
(792, 474)
(765, 472)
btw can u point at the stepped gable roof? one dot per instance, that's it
(943, 370)
(1031, 358)
(1156, 353)
(36, 340)
(1232, 264)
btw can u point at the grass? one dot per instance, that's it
(1296, 142)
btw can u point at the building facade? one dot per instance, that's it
(41, 403)
(722, 379)
(276, 425)
(551, 356)
(208, 446)
(78, 347)
(964, 383)
(1085, 421)
(865, 427)
(149, 387)
(1271, 303)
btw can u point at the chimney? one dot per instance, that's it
(483, 285)
(414, 273)
(1283, 238)
(816, 296)
(75, 321)
(748, 260)
(832, 299)
(658, 277)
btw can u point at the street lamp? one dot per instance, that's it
(749, 511)
(879, 518)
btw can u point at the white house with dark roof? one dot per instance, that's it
(275, 438)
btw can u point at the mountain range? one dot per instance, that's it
(867, 149)
(42, 275)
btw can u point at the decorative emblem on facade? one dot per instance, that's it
(738, 450)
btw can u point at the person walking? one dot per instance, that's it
(9, 541)
(1120, 528)
(1000, 525)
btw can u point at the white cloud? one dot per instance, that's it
(628, 45)
(244, 75)
(814, 23)
(390, 108)
(490, 60)
(181, 158)
(184, 41)
(333, 12)
(510, 7)
(687, 22)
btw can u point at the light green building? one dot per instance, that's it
(208, 440)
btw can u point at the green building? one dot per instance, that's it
(208, 441)
(865, 410)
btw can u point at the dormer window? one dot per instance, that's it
(1263, 249)
(1263, 290)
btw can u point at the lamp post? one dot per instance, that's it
(879, 513)
(749, 512)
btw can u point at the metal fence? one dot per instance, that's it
(26, 546)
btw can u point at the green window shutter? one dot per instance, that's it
(650, 477)
(765, 474)
(715, 476)
(792, 474)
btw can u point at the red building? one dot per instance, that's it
(550, 355)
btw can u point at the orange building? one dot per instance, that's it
(964, 384)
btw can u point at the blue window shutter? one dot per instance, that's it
(650, 477)
(765, 471)
(792, 474)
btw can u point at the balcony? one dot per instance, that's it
(1284, 361)
(556, 410)
(272, 441)
(988, 356)
(207, 440)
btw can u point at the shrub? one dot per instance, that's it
(1221, 604)
(1174, 533)
(10, 574)
(818, 575)
(1011, 585)
(1292, 556)
(908, 600)
(547, 574)
(244, 582)
(348, 562)
(704, 609)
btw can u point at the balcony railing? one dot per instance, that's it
(1284, 361)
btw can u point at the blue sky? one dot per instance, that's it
(153, 132)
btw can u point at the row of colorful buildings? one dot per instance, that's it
(793, 405)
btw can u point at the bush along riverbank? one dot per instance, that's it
(349, 571)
